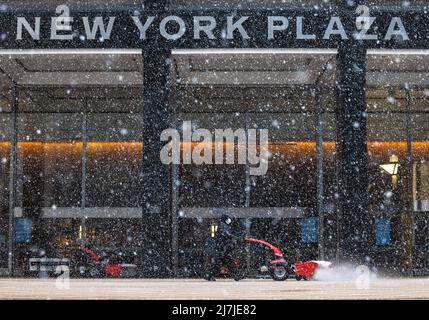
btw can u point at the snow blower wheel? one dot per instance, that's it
(279, 272)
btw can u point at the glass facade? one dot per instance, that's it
(79, 151)
(72, 155)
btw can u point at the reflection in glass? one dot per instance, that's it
(48, 190)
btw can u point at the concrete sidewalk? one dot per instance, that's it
(417, 288)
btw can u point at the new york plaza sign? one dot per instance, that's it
(210, 28)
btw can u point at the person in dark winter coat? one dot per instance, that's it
(219, 250)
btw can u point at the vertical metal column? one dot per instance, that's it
(156, 193)
(175, 219)
(248, 190)
(157, 252)
(352, 158)
(176, 183)
(84, 166)
(407, 224)
(12, 179)
(319, 169)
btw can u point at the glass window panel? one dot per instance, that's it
(420, 175)
(49, 179)
(114, 156)
(50, 187)
(388, 167)
(387, 146)
(49, 161)
(291, 177)
(212, 185)
(420, 169)
(113, 174)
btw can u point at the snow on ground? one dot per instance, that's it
(416, 288)
(345, 272)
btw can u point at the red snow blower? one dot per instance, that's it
(279, 268)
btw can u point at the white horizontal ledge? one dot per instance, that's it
(295, 51)
(253, 212)
(70, 51)
(90, 212)
(396, 52)
(138, 51)
(94, 78)
(251, 51)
